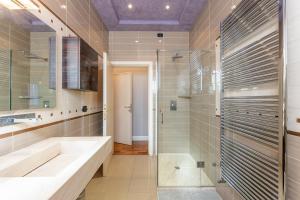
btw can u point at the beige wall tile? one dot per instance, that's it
(83, 19)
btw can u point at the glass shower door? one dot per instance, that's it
(185, 153)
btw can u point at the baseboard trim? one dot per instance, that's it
(140, 138)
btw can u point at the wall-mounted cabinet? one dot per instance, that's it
(80, 65)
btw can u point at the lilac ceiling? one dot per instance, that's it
(149, 15)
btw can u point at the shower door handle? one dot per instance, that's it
(162, 117)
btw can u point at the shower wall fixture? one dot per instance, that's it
(252, 117)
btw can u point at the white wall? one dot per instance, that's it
(140, 105)
(293, 99)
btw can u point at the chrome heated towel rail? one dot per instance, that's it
(252, 114)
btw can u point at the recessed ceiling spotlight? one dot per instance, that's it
(63, 6)
(167, 7)
(137, 41)
(130, 6)
(233, 7)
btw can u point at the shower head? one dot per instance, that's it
(35, 57)
(177, 56)
(32, 56)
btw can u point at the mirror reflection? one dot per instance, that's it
(27, 61)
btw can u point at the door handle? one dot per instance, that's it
(129, 108)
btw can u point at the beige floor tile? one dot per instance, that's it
(121, 166)
(95, 196)
(141, 173)
(144, 185)
(117, 185)
(141, 196)
(128, 178)
(142, 168)
(97, 185)
(115, 196)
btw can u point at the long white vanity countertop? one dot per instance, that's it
(55, 168)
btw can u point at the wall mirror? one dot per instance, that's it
(27, 61)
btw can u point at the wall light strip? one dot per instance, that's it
(29, 4)
(149, 22)
(19, 4)
(12, 5)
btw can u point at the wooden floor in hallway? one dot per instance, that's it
(137, 148)
(129, 177)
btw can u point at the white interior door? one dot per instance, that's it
(123, 108)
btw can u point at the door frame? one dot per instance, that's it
(151, 108)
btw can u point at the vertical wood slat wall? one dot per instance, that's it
(251, 100)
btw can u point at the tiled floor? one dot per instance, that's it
(128, 178)
(137, 148)
(133, 177)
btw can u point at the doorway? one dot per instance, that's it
(131, 110)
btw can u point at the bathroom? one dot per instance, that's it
(139, 99)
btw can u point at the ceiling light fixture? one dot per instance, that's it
(130, 6)
(233, 7)
(63, 6)
(167, 7)
(137, 41)
(19, 4)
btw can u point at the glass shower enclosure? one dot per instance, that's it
(186, 121)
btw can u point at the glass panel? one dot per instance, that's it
(176, 167)
(202, 115)
(28, 54)
(4, 64)
(186, 139)
(4, 78)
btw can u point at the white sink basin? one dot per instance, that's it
(56, 168)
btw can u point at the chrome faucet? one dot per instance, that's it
(15, 119)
